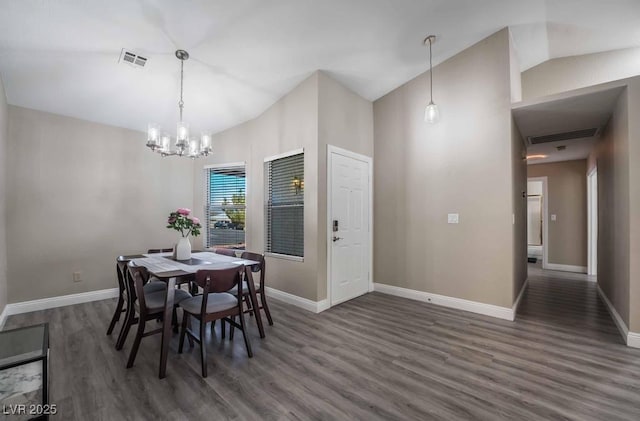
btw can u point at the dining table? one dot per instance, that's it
(167, 268)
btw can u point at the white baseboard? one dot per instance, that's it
(442, 300)
(632, 339)
(61, 301)
(566, 268)
(304, 303)
(519, 297)
(3, 317)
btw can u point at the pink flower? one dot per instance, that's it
(184, 211)
(195, 221)
(171, 220)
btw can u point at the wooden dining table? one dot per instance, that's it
(166, 268)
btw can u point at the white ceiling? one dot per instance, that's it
(578, 112)
(61, 56)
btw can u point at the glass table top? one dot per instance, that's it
(22, 345)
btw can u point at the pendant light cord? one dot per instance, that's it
(430, 74)
(181, 103)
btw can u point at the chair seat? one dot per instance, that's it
(154, 286)
(215, 302)
(245, 288)
(155, 300)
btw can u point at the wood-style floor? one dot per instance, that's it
(376, 357)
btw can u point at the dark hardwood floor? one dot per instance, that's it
(376, 357)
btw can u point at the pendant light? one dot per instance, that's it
(191, 147)
(431, 113)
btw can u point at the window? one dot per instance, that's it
(285, 205)
(225, 206)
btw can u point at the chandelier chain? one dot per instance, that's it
(430, 73)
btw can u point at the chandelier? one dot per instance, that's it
(192, 147)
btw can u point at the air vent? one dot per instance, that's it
(132, 59)
(558, 137)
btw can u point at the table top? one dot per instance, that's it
(165, 264)
(23, 345)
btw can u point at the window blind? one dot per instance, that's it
(225, 206)
(285, 206)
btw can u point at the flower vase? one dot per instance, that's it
(183, 249)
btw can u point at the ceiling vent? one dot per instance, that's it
(558, 137)
(131, 58)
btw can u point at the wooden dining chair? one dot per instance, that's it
(214, 304)
(260, 288)
(226, 252)
(149, 305)
(126, 298)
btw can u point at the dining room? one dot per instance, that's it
(303, 210)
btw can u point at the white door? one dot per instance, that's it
(349, 227)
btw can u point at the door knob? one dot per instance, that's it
(336, 238)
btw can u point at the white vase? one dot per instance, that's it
(183, 249)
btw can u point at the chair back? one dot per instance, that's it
(137, 276)
(219, 280)
(247, 255)
(153, 251)
(121, 271)
(226, 252)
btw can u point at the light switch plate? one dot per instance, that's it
(453, 218)
(553, 217)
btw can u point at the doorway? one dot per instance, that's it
(537, 226)
(592, 224)
(349, 218)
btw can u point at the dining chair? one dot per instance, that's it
(214, 304)
(260, 288)
(226, 252)
(149, 305)
(125, 299)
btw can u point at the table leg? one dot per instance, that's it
(255, 304)
(166, 326)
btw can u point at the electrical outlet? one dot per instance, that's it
(76, 277)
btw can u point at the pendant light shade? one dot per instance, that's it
(431, 112)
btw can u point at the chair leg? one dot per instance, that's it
(136, 343)
(124, 331)
(174, 319)
(213, 327)
(232, 328)
(203, 347)
(265, 307)
(244, 334)
(223, 327)
(183, 330)
(116, 315)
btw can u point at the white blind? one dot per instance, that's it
(285, 206)
(225, 206)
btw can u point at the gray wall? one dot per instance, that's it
(567, 73)
(611, 156)
(345, 120)
(567, 199)
(291, 123)
(78, 195)
(519, 170)
(4, 127)
(423, 172)
(317, 112)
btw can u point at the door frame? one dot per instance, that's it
(369, 160)
(545, 220)
(592, 218)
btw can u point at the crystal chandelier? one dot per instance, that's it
(192, 147)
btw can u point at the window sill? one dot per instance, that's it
(285, 257)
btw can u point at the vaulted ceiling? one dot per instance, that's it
(62, 56)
